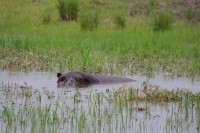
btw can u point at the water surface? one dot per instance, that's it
(154, 117)
(39, 80)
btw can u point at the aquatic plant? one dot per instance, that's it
(116, 111)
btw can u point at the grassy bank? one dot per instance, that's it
(137, 49)
(28, 44)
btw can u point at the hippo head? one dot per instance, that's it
(73, 80)
(65, 80)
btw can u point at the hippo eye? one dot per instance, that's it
(61, 80)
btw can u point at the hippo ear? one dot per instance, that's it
(59, 74)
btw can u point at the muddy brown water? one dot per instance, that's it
(153, 120)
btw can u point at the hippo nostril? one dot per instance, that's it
(69, 84)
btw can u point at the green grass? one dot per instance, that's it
(163, 21)
(89, 20)
(46, 17)
(68, 9)
(120, 21)
(137, 49)
(62, 46)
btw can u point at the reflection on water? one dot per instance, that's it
(37, 80)
(104, 111)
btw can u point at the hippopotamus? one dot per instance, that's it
(82, 79)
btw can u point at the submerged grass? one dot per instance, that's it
(111, 111)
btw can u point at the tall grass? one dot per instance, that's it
(68, 9)
(152, 4)
(47, 17)
(89, 20)
(54, 46)
(120, 21)
(188, 13)
(163, 21)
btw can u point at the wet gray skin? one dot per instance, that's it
(82, 79)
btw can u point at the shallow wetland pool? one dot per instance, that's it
(31, 102)
(155, 42)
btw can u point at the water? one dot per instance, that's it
(136, 117)
(39, 80)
